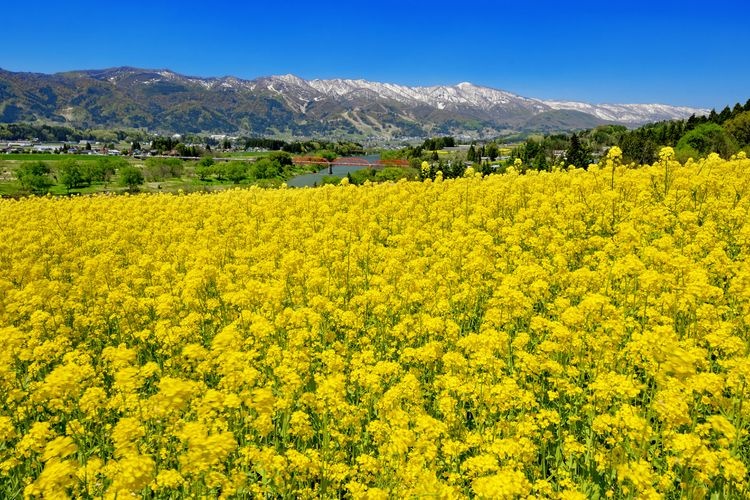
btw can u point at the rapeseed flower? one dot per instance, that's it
(563, 334)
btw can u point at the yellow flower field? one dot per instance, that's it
(573, 334)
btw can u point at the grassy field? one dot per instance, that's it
(187, 181)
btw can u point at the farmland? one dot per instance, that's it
(565, 334)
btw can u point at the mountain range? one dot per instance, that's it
(165, 101)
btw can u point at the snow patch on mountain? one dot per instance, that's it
(629, 113)
(298, 93)
(321, 104)
(487, 99)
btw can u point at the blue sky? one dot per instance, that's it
(685, 53)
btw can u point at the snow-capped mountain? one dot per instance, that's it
(467, 95)
(629, 113)
(164, 100)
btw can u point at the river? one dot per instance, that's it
(316, 179)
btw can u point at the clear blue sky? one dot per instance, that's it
(675, 52)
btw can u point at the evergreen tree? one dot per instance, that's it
(672, 133)
(691, 123)
(577, 154)
(540, 161)
(530, 151)
(492, 151)
(486, 169)
(725, 115)
(638, 148)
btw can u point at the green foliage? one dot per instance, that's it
(131, 177)
(161, 145)
(205, 168)
(348, 148)
(235, 171)
(396, 173)
(539, 152)
(638, 148)
(328, 155)
(491, 151)
(206, 161)
(72, 175)
(158, 169)
(260, 142)
(185, 150)
(239, 171)
(607, 135)
(105, 167)
(739, 127)
(704, 139)
(58, 133)
(46, 133)
(35, 176)
(578, 154)
(536, 155)
(438, 143)
(641, 145)
(283, 158)
(395, 154)
(204, 172)
(383, 175)
(266, 168)
(330, 179)
(340, 148)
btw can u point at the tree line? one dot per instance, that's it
(725, 133)
(60, 133)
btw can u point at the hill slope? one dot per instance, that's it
(166, 101)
